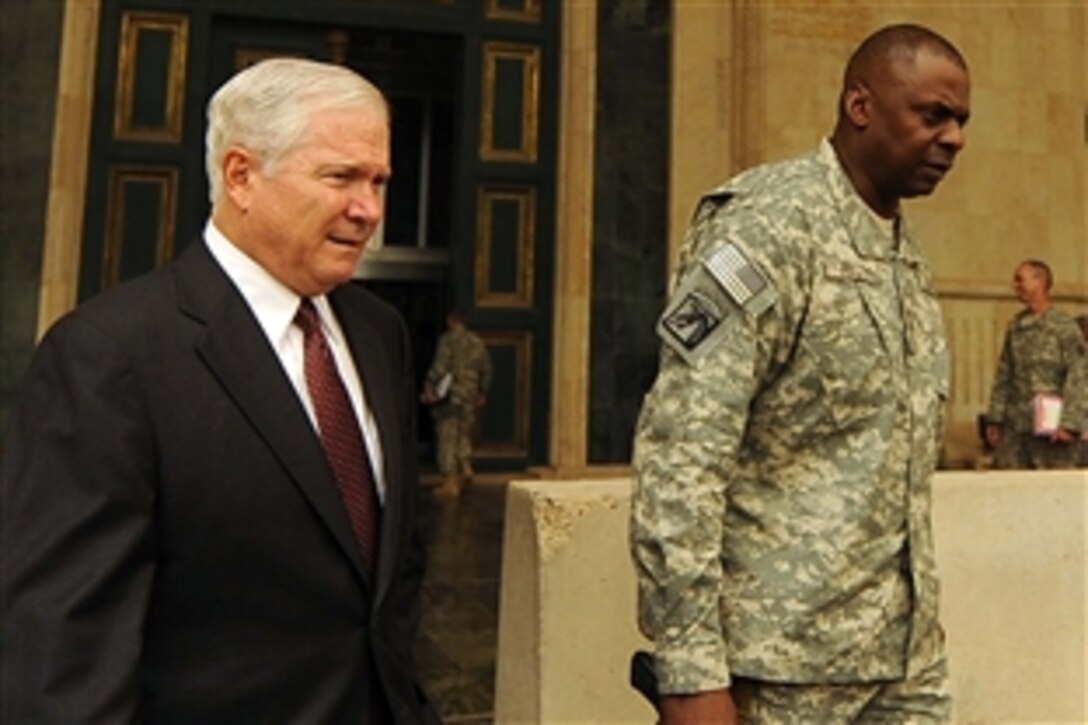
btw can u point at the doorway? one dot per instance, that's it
(470, 207)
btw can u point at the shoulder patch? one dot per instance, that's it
(698, 317)
(712, 300)
(691, 320)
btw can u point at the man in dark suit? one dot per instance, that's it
(210, 480)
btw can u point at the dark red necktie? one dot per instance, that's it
(338, 427)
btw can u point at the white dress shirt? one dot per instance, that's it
(274, 305)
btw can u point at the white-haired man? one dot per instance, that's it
(210, 479)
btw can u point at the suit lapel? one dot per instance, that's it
(235, 349)
(378, 379)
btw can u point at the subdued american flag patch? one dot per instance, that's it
(736, 274)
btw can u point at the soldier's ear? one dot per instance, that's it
(857, 104)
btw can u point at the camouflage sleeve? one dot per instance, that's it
(1075, 390)
(688, 434)
(999, 392)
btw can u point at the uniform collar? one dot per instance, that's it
(872, 236)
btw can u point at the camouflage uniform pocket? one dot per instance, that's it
(846, 335)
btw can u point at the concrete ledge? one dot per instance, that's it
(567, 606)
(1012, 551)
(1012, 548)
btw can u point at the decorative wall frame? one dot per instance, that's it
(525, 11)
(510, 102)
(151, 70)
(505, 245)
(514, 348)
(144, 226)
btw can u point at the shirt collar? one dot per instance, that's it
(272, 302)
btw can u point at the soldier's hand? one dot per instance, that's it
(1064, 435)
(705, 708)
(993, 434)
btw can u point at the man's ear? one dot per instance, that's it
(857, 103)
(239, 170)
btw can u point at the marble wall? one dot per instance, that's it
(630, 193)
(29, 43)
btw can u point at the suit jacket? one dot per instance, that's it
(175, 548)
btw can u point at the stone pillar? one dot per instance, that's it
(574, 237)
(68, 170)
(567, 609)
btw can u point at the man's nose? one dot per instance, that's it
(366, 204)
(953, 136)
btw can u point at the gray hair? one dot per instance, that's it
(267, 106)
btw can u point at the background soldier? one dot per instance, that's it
(783, 459)
(1043, 352)
(1082, 321)
(456, 387)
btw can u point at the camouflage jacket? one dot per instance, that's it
(783, 459)
(463, 355)
(1041, 353)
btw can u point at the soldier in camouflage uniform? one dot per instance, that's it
(1043, 352)
(462, 355)
(1082, 322)
(783, 458)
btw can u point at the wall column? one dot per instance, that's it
(68, 169)
(574, 238)
(717, 110)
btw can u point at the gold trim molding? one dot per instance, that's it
(528, 13)
(529, 58)
(525, 199)
(133, 25)
(522, 344)
(113, 247)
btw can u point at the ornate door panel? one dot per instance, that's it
(469, 219)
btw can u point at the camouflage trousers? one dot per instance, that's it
(922, 697)
(1024, 450)
(453, 437)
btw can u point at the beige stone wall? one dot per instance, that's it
(1012, 552)
(1020, 188)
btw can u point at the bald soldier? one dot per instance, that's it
(783, 458)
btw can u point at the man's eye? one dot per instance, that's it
(339, 176)
(935, 116)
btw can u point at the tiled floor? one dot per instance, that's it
(455, 651)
